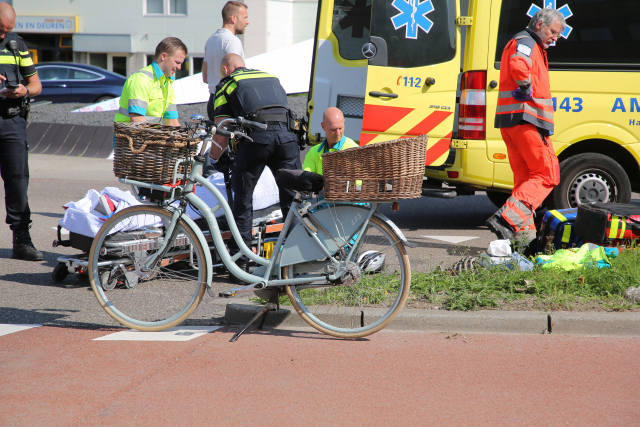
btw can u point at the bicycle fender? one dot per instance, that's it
(301, 247)
(205, 246)
(396, 229)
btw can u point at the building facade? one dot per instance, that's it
(121, 35)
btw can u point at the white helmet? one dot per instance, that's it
(370, 261)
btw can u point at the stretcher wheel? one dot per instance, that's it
(60, 272)
(107, 284)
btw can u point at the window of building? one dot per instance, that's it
(178, 7)
(120, 65)
(165, 7)
(98, 59)
(604, 34)
(197, 64)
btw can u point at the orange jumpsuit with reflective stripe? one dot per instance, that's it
(525, 128)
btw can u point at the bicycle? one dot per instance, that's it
(343, 266)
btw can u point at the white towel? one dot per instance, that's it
(265, 194)
(81, 218)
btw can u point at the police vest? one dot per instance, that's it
(248, 91)
(524, 57)
(10, 67)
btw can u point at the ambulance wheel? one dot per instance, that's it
(60, 272)
(590, 178)
(498, 198)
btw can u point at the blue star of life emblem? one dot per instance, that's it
(412, 15)
(551, 4)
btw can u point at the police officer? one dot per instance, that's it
(19, 81)
(257, 96)
(525, 118)
(148, 95)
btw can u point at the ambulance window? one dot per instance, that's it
(415, 40)
(604, 34)
(351, 23)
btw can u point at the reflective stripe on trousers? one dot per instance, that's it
(517, 214)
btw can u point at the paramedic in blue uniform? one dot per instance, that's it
(19, 81)
(237, 95)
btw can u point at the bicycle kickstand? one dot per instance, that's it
(272, 305)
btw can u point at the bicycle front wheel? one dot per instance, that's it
(147, 299)
(368, 303)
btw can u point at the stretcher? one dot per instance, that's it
(267, 224)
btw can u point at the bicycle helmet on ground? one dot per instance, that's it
(370, 261)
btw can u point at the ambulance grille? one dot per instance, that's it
(351, 106)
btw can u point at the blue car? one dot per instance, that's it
(70, 82)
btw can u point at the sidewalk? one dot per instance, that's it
(485, 321)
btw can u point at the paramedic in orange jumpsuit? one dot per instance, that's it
(525, 118)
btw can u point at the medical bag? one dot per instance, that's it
(608, 223)
(557, 230)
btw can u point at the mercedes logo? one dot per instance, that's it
(369, 50)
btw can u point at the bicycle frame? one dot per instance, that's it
(265, 280)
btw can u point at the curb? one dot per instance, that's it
(485, 321)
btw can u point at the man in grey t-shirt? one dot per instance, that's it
(235, 18)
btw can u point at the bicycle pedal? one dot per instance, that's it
(226, 294)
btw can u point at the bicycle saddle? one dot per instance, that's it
(298, 180)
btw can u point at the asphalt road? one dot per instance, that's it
(29, 295)
(59, 375)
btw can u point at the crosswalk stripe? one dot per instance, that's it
(180, 333)
(6, 329)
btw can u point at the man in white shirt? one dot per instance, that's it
(235, 18)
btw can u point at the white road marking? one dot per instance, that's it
(452, 239)
(110, 156)
(180, 333)
(9, 329)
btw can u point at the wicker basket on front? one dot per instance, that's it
(381, 171)
(148, 152)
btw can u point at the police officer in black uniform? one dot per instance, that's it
(257, 96)
(18, 81)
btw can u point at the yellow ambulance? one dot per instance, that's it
(399, 68)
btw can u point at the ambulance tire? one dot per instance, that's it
(498, 198)
(587, 178)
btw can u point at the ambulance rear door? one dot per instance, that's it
(339, 69)
(412, 76)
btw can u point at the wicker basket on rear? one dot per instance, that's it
(388, 171)
(148, 152)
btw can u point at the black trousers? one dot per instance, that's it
(14, 168)
(276, 148)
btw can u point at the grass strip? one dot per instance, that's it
(544, 289)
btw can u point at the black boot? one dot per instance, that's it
(23, 247)
(243, 266)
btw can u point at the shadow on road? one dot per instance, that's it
(46, 317)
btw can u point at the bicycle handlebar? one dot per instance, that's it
(242, 122)
(223, 132)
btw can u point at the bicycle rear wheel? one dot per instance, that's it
(153, 300)
(368, 304)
